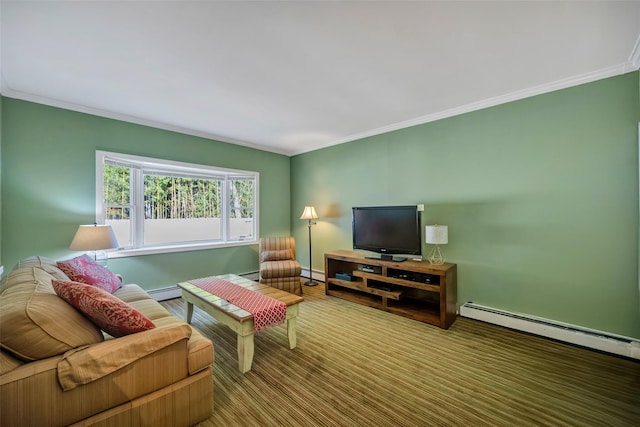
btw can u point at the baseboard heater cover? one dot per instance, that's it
(171, 292)
(163, 294)
(317, 275)
(597, 340)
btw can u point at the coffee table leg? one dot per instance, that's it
(189, 311)
(245, 352)
(292, 314)
(291, 332)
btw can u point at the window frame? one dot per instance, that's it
(172, 167)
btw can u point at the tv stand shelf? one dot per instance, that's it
(414, 289)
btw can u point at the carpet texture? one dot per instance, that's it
(358, 366)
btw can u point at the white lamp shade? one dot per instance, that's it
(94, 238)
(309, 212)
(437, 234)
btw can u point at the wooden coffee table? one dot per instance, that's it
(239, 320)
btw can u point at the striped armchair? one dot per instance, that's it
(278, 265)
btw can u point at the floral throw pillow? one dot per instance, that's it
(109, 313)
(83, 269)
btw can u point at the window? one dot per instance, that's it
(158, 205)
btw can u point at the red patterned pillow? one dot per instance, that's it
(109, 313)
(85, 270)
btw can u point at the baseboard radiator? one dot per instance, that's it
(163, 294)
(597, 340)
(318, 276)
(171, 292)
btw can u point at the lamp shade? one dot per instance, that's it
(94, 238)
(309, 213)
(437, 234)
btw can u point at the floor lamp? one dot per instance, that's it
(309, 214)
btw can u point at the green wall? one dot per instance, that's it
(1, 173)
(540, 196)
(48, 188)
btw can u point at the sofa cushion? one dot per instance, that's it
(8, 362)
(35, 323)
(82, 366)
(200, 350)
(277, 255)
(131, 292)
(43, 263)
(152, 309)
(111, 314)
(85, 270)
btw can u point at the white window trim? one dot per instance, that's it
(172, 166)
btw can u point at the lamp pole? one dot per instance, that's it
(309, 213)
(310, 282)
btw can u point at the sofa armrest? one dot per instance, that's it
(86, 364)
(31, 395)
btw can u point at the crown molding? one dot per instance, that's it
(10, 93)
(632, 65)
(634, 58)
(492, 102)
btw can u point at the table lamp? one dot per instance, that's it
(94, 238)
(437, 235)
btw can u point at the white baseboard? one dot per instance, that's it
(171, 292)
(163, 294)
(591, 338)
(317, 275)
(255, 275)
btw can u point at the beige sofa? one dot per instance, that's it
(158, 377)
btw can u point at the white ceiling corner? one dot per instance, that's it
(634, 58)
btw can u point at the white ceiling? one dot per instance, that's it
(292, 77)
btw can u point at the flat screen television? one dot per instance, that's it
(387, 230)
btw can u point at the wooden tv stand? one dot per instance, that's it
(414, 289)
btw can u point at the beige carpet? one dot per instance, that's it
(358, 366)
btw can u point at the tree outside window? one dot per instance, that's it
(151, 203)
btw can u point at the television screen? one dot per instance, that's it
(387, 230)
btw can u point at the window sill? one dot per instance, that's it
(124, 253)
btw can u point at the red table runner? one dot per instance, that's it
(266, 311)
